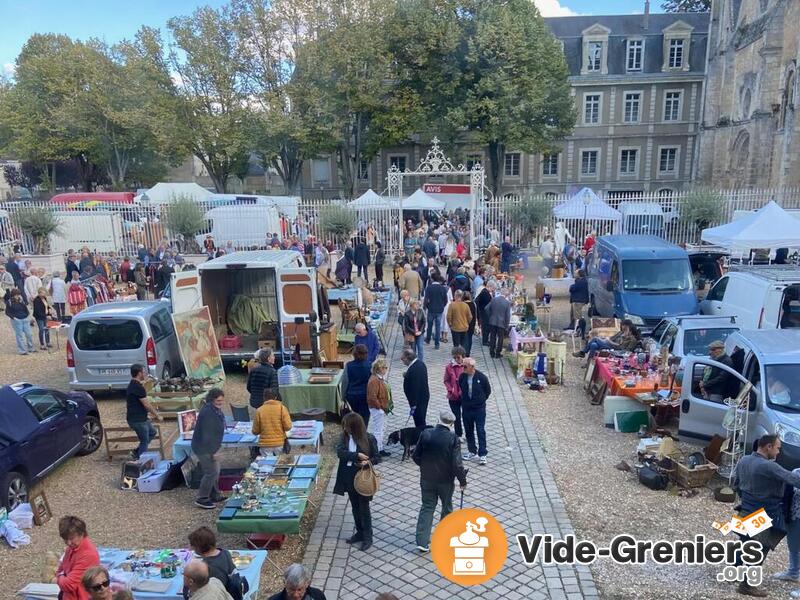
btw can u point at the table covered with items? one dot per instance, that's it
(238, 434)
(313, 390)
(157, 574)
(271, 496)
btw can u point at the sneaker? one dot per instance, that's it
(482, 460)
(786, 576)
(579, 354)
(23, 354)
(750, 590)
(207, 504)
(385, 453)
(423, 549)
(468, 456)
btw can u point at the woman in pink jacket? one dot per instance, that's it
(80, 554)
(451, 374)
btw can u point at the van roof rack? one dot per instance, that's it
(772, 272)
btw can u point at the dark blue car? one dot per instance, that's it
(39, 429)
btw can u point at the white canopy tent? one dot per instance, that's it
(768, 227)
(586, 205)
(370, 199)
(419, 200)
(164, 193)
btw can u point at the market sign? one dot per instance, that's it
(455, 195)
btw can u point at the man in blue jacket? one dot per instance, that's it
(578, 297)
(370, 339)
(206, 443)
(475, 390)
(435, 301)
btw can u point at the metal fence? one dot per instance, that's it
(122, 229)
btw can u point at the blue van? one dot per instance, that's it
(640, 277)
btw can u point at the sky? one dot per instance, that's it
(114, 20)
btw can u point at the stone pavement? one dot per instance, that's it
(516, 487)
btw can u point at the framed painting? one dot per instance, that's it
(197, 343)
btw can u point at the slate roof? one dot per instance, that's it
(568, 30)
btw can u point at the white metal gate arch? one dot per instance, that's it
(436, 163)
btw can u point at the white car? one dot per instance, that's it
(690, 336)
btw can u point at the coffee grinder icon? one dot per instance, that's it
(469, 549)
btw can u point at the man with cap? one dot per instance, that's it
(717, 383)
(438, 454)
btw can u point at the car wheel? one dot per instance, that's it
(92, 436)
(15, 490)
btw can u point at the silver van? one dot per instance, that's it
(770, 361)
(106, 339)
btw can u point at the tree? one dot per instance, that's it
(531, 213)
(183, 216)
(350, 67)
(337, 222)
(39, 223)
(673, 6)
(702, 207)
(289, 124)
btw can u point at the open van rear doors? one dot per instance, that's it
(297, 299)
(700, 416)
(186, 294)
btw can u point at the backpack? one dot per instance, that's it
(237, 586)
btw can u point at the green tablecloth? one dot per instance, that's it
(253, 524)
(302, 396)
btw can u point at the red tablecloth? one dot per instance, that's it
(604, 369)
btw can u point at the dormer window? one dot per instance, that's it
(677, 40)
(595, 57)
(676, 54)
(595, 50)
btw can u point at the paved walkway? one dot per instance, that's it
(516, 487)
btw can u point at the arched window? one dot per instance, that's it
(740, 158)
(746, 100)
(787, 101)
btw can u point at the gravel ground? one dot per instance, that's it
(87, 487)
(604, 502)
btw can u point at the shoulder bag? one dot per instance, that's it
(367, 482)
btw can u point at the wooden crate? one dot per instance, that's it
(692, 478)
(169, 404)
(121, 440)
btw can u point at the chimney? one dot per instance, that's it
(646, 20)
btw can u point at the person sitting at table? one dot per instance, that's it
(367, 336)
(354, 381)
(271, 423)
(263, 377)
(79, 556)
(203, 542)
(97, 582)
(200, 585)
(297, 585)
(627, 338)
(206, 443)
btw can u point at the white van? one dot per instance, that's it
(760, 297)
(770, 361)
(642, 218)
(246, 225)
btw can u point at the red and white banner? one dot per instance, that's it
(454, 194)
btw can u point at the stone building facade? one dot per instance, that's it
(750, 135)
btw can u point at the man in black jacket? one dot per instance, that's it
(475, 390)
(361, 258)
(435, 301)
(415, 387)
(350, 257)
(263, 377)
(481, 302)
(438, 454)
(206, 442)
(719, 384)
(578, 297)
(163, 278)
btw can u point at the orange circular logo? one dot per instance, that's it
(469, 546)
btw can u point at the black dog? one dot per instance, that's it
(407, 437)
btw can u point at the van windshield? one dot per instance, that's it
(108, 334)
(671, 275)
(783, 387)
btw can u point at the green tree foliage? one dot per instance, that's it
(337, 222)
(531, 213)
(702, 207)
(40, 223)
(183, 216)
(673, 6)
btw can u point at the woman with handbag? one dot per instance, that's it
(42, 312)
(356, 450)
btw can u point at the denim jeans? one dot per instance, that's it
(596, 344)
(44, 332)
(145, 432)
(23, 333)
(475, 418)
(208, 490)
(432, 494)
(793, 541)
(417, 345)
(434, 327)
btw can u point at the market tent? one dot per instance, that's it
(370, 199)
(419, 200)
(768, 227)
(586, 205)
(164, 193)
